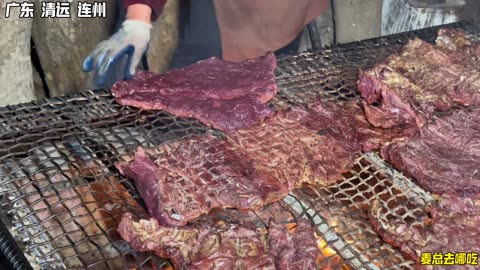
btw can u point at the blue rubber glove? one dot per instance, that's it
(118, 57)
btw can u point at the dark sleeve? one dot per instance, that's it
(155, 5)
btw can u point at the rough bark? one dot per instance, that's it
(325, 28)
(38, 85)
(357, 20)
(164, 40)
(63, 43)
(399, 16)
(15, 64)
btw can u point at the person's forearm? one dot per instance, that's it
(144, 10)
(139, 12)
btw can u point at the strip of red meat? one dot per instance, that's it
(459, 47)
(463, 51)
(394, 95)
(347, 123)
(408, 86)
(292, 152)
(225, 95)
(444, 155)
(421, 79)
(213, 243)
(200, 175)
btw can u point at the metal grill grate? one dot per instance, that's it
(61, 197)
(340, 212)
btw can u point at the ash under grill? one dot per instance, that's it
(61, 198)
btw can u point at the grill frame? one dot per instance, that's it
(90, 125)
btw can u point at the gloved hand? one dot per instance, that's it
(117, 58)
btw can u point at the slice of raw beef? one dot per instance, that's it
(225, 95)
(199, 175)
(459, 47)
(421, 79)
(346, 122)
(292, 152)
(408, 86)
(229, 239)
(466, 52)
(444, 155)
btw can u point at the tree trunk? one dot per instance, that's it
(63, 44)
(164, 40)
(399, 16)
(357, 20)
(16, 81)
(38, 85)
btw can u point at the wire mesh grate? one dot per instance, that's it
(61, 197)
(340, 212)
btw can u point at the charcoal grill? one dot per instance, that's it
(61, 196)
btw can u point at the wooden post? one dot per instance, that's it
(357, 20)
(16, 81)
(164, 39)
(63, 43)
